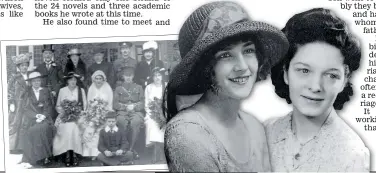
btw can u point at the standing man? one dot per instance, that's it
(103, 65)
(143, 70)
(124, 61)
(54, 74)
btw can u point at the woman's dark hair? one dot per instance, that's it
(203, 72)
(318, 25)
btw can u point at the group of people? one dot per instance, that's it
(96, 112)
(224, 54)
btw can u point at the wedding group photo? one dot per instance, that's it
(88, 104)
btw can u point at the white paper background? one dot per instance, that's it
(263, 103)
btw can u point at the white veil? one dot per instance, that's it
(104, 92)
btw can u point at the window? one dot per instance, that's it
(23, 49)
(38, 57)
(113, 54)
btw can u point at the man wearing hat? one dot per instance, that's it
(101, 64)
(125, 60)
(143, 70)
(17, 85)
(129, 105)
(52, 72)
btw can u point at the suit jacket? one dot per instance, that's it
(142, 75)
(54, 77)
(113, 142)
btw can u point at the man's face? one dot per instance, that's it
(125, 51)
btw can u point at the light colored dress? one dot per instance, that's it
(153, 131)
(90, 135)
(336, 148)
(68, 136)
(191, 146)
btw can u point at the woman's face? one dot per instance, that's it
(315, 77)
(36, 82)
(23, 67)
(148, 55)
(75, 58)
(236, 70)
(98, 80)
(72, 82)
(157, 78)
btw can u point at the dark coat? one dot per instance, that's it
(36, 138)
(143, 72)
(113, 141)
(80, 70)
(53, 79)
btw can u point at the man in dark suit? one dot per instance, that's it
(101, 64)
(113, 144)
(143, 75)
(53, 74)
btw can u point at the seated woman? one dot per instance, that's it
(315, 78)
(37, 122)
(99, 100)
(222, 58)
(71, 101)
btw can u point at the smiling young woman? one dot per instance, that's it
(223, 54)
(315, 77)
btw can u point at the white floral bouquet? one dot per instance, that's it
(156, 112)
(95, 115)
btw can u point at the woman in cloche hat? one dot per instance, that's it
(224, 53)
(76, 65)
(37, 130)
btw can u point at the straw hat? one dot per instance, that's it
(34, 75)
(74, 51)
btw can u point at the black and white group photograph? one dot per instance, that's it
(88, 104)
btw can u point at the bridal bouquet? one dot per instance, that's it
(95, 115)
(72, 110)
(156, 112)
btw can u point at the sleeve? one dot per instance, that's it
(360, 162)
(139, 106)
(138, 75)
(188, 149)
(116, 101)
(101, 146)
(147, 100)
(84, 100)
(124, 141)
(58, 107)
(12, 90)
(47, 108)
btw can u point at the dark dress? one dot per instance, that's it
(17, 86)
(142, 75)
(80, 69)
(37, 137)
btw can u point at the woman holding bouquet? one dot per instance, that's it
(100, 97)
(154, 117)
(70, 102)
(37, 129)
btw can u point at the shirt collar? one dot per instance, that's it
(37, 90)
(107, 129)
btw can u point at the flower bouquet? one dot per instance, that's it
(156, 112)
(95, 115)
(72, 110)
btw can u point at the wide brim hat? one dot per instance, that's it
(74, 51)
(48, 47)
(22, 58)
(149, 46)
(209, 25)
(72, 75)
(34, 75)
